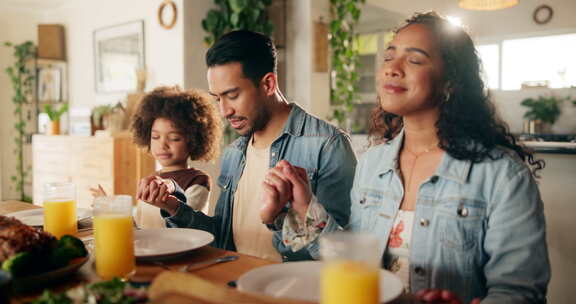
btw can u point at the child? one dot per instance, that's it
(176, 126)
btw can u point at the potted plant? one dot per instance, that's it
(54, 115)
(98, 116)
(542, 113)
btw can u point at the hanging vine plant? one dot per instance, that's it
(23, 79)
(345, 58)
(235, 15)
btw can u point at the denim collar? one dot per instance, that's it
(294, 126)
(449, 168)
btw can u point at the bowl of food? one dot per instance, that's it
(34, 258)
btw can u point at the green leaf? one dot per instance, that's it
(235, 19)
(238, 6)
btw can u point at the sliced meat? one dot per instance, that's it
(16, 237)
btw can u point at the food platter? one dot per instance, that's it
(40, 280)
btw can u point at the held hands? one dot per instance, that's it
(440, 296)
(282, 184)
(157, 192)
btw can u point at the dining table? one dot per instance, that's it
(219, 279)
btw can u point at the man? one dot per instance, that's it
(242, 78)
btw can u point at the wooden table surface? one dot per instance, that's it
(220, 274)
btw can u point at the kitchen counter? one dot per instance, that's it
(551, 147)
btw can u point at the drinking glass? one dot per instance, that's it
(351, 271)
(60, 209)
(114, 236)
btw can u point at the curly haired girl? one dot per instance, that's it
(176, 126)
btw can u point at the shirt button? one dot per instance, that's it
(424, 222)
(273, 153)
(419, 271)
(434, 179)
(463, 211)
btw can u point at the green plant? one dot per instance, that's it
(345, 58)
(98, 113)
(544, 108)
(53, 113)
(23, 79)
(234, 15)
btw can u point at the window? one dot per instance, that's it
(490, 57)
(367, 46)
(546, 61)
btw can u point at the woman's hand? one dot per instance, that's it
(440, 296)
(156, 191)
(276, 192)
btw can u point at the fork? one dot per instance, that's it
(227, 258)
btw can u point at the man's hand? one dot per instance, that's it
(282, 184)
(440, 296)
(277, 191)
(156, 191)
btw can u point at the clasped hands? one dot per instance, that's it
(282, 184)
(158, 192)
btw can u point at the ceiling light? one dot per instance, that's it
(486, 5)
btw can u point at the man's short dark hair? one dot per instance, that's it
(255, 51)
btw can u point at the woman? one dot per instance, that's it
(446, 187)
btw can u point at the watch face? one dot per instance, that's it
(543, 14)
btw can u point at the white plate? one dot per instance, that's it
(35, 217)
(163, 242)
(301, 281)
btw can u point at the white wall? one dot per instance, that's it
(508, 106)
(17, 26)
(164, 51)
(559, 196)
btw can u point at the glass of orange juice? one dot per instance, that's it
(351, 270)
(114, 236)
(60, 209)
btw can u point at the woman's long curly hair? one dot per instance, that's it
(468, 126)
(191, 112)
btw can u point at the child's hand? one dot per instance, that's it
(156, 191)
(97, 192)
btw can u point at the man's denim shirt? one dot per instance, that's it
(479, 228)
(306, 141)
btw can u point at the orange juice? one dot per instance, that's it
(114, 238)
(345, 282)
(60, 217)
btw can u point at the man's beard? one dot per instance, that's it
(260, 121)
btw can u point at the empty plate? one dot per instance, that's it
(301, 281)
(165, 242)
(35, 217)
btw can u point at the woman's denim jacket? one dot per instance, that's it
(306, 141)
(479, 228)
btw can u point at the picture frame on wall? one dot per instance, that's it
(49, 84)
(119, 56)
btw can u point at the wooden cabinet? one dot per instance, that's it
(114, 162)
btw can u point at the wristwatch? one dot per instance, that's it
(278, 222)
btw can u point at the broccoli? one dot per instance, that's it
(19, 264)
(76, 246)
(68, 248)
